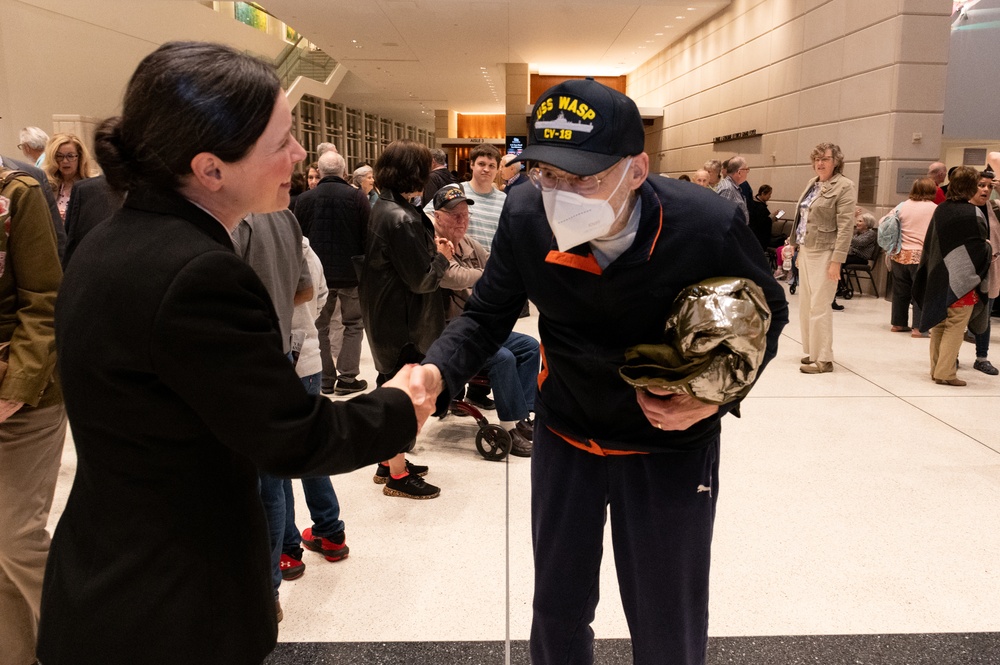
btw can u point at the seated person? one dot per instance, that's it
(513, 369)
(864, 242)
(760, 216)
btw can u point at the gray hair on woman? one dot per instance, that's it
(359, 174)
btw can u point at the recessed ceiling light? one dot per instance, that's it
(659, 34)
(691, 9)
(679, 18)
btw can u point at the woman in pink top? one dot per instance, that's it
(914, 216)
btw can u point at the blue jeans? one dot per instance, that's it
(983, 338)
(321, 499)
(513, 372)
(279, 506)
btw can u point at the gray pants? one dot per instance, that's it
(347, 346)
(31, 443)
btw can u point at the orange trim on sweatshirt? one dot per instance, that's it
(592, 447)
(543, 373)
(585, 263)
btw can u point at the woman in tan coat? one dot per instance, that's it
(824, 224)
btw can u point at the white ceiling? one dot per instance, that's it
(406, 58)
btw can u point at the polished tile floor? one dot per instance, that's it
(859, 522)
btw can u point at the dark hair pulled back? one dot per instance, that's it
(183, 99)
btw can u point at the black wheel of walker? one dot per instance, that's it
(492, 442)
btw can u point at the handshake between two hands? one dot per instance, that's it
(423, 384)
(666, 411)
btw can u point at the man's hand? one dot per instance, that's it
(8, 408)
(675, 413)
(446, 247)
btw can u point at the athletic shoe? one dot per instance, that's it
(382, 472)
(291, 568)
(345, 387)
(410, 487)
(333, 548)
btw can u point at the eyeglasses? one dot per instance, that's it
(20, 146)
(460, 216)
(745, 169)
(547, 180)
(68, 157)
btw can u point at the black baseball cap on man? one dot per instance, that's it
(583, 128)
(450, 196)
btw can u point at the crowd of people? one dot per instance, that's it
(251, 284)
(831, 232)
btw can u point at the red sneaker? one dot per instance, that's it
(329, 548)
(291, 568)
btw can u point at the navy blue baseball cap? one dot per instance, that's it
(583, 128)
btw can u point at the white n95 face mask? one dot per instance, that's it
(575, 219)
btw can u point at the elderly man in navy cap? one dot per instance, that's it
(513, 369)
(602, 247)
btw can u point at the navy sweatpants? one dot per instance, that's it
(662, 510)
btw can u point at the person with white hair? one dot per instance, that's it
(334, 216)
(32, 144)
(510, 175)
(729, 187)
(364, 179)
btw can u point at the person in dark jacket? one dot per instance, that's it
(760, 217)
(403, 267)
(438, 177)
(949, 283)
(91, 202)
(176, 384)
(334, 216)
(625, 244)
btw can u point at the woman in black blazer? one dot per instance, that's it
(175, 382)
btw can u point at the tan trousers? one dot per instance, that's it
(815, 295)
(946, 340)
(31, 443)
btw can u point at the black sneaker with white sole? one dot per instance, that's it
(347, 387)
(410, 487)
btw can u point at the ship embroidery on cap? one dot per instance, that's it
(562, 123)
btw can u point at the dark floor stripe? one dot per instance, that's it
(905, 649)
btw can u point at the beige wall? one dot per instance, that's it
(865, 74)
(63, 58)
